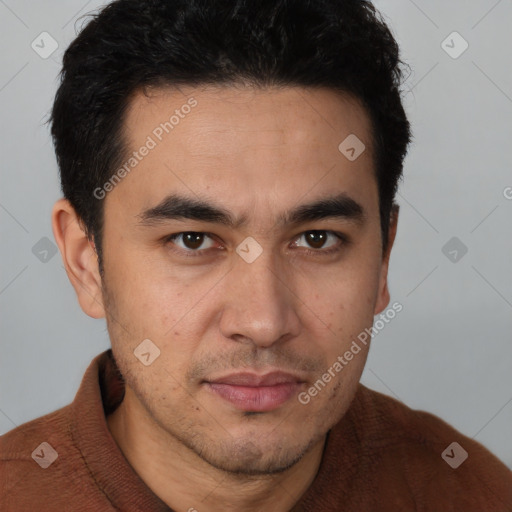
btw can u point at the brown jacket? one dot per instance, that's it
(382, 456)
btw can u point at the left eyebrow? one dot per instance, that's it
(340, 206)
(179, 207)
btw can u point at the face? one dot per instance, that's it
(252, 296)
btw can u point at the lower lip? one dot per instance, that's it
(256, 399)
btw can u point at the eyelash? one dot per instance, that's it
(310, 252)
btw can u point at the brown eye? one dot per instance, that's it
(191, 241)
(317, 240)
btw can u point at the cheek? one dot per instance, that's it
(343, 302)
(342, 311)
(146, 297)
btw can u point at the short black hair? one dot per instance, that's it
(344, 45)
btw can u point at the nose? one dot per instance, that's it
(260, 305)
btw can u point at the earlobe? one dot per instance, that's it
(79, 258)
(383, 297)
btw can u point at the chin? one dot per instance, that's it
(248, 457)
(249, 465)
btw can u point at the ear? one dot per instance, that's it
(79, 258)
(383, 293)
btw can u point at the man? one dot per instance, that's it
(229, 171)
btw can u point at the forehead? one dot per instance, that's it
(249, 147)
(284, 115)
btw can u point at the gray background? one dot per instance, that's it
(448, 352)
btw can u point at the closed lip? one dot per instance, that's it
(247, 379)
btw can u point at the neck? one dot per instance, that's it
(184, 481)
